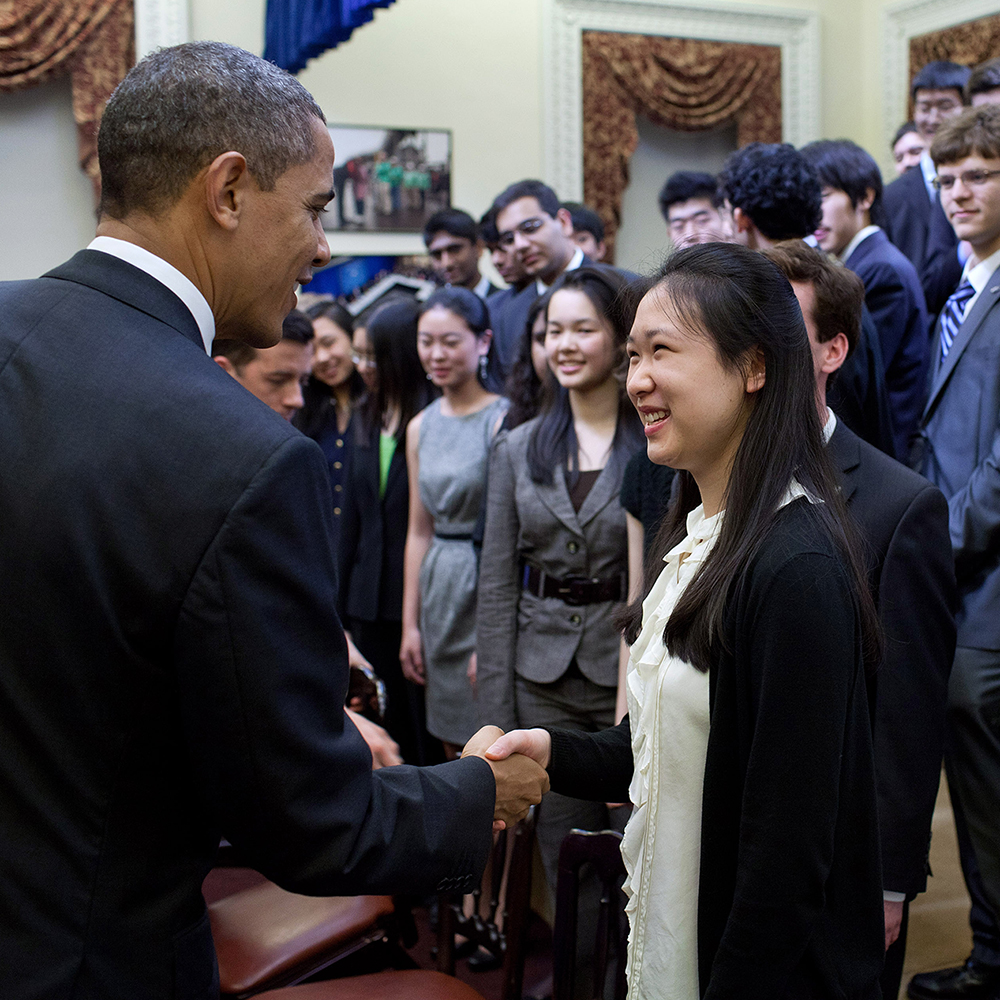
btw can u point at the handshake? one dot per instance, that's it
(518, 760)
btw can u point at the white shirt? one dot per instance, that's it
(979, 276)
(165, 274)
(929, 172)
(574, 262)
(859, 237)
(483, 288)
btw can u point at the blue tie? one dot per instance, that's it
(953, 314)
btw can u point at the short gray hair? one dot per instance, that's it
(181, 107)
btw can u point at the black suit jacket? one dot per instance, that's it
(373, 532)
(903, 521)
(922, 231)
(172, 666)
(896, 302)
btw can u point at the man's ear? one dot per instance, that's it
(565, 221)
(835, 353)
(225, 364)
(867, 201)
(741, 221)
(225, 182)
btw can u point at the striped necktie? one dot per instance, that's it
(953, 314)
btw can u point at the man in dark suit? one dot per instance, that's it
(960, 438)
(852, 205)
(455, 246)
(173, 669)
(588, 230)
(914, 221)
(903, 521)
(774, 195)
(532, 224)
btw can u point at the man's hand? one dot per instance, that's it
(893, 920)
(385, 752)
(533, 743)
(521, 782)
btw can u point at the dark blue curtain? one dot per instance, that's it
(296, 31)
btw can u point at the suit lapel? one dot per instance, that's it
(986, 301)
(846, 456)
(555, 496)
(131, 285)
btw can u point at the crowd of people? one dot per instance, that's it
(719, 542)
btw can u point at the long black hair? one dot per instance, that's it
(318, 399)
(523, 387)
(401, 381)
(552, 441)
(745, 305)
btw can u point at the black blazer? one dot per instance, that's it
(922, 231)
(896, 301)
(795, 914)
(373, 532)
(903, 521)
(173, 669)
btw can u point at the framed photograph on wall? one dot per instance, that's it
(388, 180)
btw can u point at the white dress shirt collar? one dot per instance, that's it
(483, 288)
(929, 172)
(978, 276)
(574, 262)
(165, 274)
(859, 237)
(830, 426)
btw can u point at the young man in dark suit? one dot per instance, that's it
(852, 207)
(903, 521)
(173, 667)
(914, 221)
(960, 438)
(454, 245)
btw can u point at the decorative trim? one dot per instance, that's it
(563, 24)
(353, 244)
(159, 23)
(906, 20)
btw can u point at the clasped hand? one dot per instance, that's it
(520, 775)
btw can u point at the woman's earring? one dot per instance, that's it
(483, 366)
(429, 378)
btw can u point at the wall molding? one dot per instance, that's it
(159, 23)
(903, 21)
(563, 24)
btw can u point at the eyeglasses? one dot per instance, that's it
(969, 178)
(364, 359)
(525, 228)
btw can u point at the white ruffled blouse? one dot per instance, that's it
(668, 704)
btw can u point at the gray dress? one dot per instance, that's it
(453, 454)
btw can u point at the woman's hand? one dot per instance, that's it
(533, 743)
(411, 656)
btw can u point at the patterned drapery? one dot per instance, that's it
(92, 40)
(680, 83)
(296, 31)
(969, 43)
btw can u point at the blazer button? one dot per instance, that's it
(338, 488)
(340, 442)
(338, 465)
(575, 619)
(573, 547)
(336, 510)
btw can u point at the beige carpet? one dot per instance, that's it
(939, 933)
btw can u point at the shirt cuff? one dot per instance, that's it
(894, 897)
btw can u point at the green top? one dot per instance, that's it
(386, 449)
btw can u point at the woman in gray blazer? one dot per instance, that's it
(554, 560)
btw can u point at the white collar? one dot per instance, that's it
(929, 172)
(829, 426)
(574, 262)
(979, 274)
(165, 274)
(483, 288)
(860, 236)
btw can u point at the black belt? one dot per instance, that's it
(574, 590)
(461, 537)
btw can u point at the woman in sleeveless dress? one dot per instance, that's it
(447, 446)
(752, 850)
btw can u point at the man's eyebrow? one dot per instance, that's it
(324, 196)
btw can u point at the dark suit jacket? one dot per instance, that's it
(903, 521)
(922, 231)
(896, 302)
(172, 666)
(373, 532)
(960, 435)
(858, 394)
(789, 897)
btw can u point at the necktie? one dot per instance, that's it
(953, 314)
